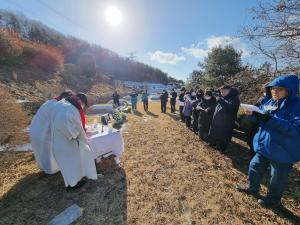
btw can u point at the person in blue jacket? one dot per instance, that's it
(277, 142)
(145, 96)
(134, 99)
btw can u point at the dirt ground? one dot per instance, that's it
(167, 176)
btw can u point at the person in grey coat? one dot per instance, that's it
(223, 122)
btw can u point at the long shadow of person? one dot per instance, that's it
(151, 114)
(241, 156)
(138, 113)
(38, 198)
(173, 116)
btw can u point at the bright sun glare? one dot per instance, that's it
(113, 16)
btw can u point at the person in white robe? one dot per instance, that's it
(40, 135)
(70, 144)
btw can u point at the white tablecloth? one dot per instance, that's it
(110, 140)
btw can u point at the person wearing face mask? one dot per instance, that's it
(70, 144)
(181, 103)
(193, 94)
(195, 111)
(187, 109)
(206, 110)
(277, 141)
(224, 117)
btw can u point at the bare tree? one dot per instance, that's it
(275, 31)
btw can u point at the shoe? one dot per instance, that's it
(247, 191)
(78, 185)
(268, 203)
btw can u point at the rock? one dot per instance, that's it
(68, 216)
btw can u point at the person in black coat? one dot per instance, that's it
(195, 112)
(181, 103)
(163, 101)
(223, 122)
(116, 98)
(206, 110)
(173, 100)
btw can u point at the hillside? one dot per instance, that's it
(85, 59)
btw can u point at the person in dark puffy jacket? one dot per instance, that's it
(277, 142)
(206, 110)
(181, 103)
(116, 98)
(173, 100)
(163, 101)
(223, 122)
(195, 112)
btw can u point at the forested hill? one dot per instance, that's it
(83, 59)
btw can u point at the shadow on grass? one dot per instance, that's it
(173, 116)
(152, 114)
(138, 113)
(241, 157)
(38, 198)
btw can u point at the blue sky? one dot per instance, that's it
(173, 35)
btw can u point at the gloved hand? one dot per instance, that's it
(262, 117)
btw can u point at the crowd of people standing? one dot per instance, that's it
(274, 139)
(275, 136)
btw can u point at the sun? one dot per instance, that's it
(113, 16)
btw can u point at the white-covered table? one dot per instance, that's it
(108, 142)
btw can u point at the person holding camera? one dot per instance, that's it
(277, 142)
(224, 117)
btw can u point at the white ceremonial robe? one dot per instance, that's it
(70, 145)
(40, 138)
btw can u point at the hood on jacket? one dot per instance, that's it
(290, 82)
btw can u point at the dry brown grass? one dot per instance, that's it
(168, 177)
(13, 120)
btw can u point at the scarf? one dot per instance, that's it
(57, 98)
(74, 100)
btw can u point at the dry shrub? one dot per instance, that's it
(13, 120)
(10, 46)
(41, 58)
(45, 57)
